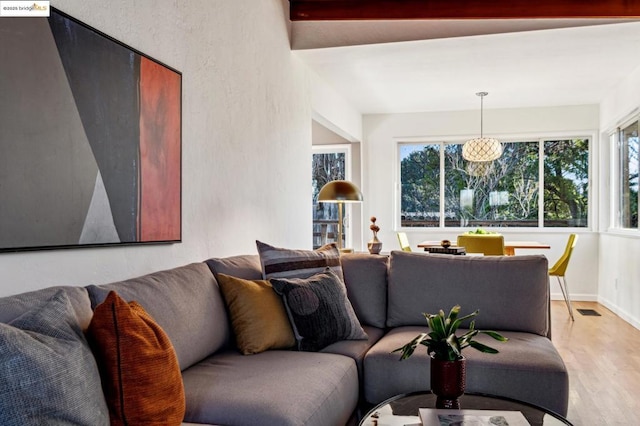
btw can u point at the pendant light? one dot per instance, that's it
(481, 150)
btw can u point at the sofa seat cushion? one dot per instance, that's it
(527, 368)
(272, 388)
(187, 304)
(356, 349)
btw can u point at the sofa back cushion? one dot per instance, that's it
(187, 304)
(12, 307)
(365, 276)
(245, 266)
(511, 292)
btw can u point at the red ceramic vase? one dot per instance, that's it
(447, 382)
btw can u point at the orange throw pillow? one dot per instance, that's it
(140, 373)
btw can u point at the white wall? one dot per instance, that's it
(246, 138)
(619, 276)
(333, 111)
(382, 131)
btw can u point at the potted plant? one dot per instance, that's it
(445, 349)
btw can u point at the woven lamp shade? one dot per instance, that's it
(481, 150)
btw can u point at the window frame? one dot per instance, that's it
(615, 144)
(540, 138)
(347, 212)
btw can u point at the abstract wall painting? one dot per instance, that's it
(90, 139)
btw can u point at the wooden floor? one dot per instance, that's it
(602, 355)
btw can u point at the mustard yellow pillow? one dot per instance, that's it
(258, 316)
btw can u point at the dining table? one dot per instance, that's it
(509, 246)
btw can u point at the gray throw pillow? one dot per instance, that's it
(319, 310)
(48, 375)
(287, 263)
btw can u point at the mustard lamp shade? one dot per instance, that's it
(338, 191)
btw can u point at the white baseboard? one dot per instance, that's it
(620, 312)
(576, 297)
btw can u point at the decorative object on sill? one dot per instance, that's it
(340, 191)
(445, 243)
(445, 350)
(481, 150)
(374, 245)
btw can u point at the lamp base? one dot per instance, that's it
(346, 250)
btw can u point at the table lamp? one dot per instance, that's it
(339, 191)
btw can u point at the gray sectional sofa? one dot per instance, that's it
(329, 387)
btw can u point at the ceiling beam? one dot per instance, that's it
(339, 10)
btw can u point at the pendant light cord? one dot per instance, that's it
(482, 95)
(481, 115)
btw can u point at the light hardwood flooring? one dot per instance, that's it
(602, 355)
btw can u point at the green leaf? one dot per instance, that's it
(471, 315)
(453, 343)
(453, 313)
(495, 335)
(437, 326)
(483, 348)
(408, 349)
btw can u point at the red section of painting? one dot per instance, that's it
(159, 153)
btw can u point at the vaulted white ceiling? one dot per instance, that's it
(444, 63)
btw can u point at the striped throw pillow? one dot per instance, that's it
(286, 263)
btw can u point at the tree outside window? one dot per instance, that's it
(566, 182)
(506, 192)
(420, 185)
(629, 167)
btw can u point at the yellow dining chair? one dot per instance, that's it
(489, 245)
(404, 241)
(558, 270)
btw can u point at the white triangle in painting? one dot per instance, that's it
(98, 225)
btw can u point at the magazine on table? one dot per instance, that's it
(440, 417)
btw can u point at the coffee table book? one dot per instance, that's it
(446, 250)
(440, 417)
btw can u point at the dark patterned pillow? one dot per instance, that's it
(286, 263)
(319, 310)
(47, 372)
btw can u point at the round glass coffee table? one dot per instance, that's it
(402, 410)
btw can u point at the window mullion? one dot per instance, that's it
(442, 188)
(541, 183)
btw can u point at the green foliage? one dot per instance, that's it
(566, 171)
(481, 231)
(516, 173)
(442, 342)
